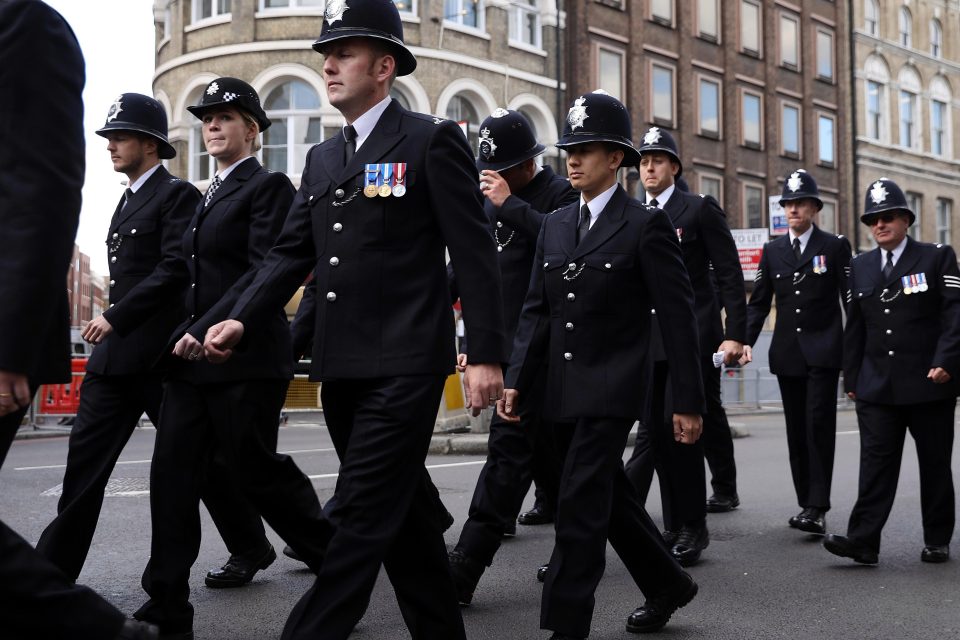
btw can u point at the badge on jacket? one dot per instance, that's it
(385, 179)
(819, 264)
(915, 283)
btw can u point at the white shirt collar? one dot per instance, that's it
(139, 182)
(897, 252)
(662, 198)
(803, 237)
(598, 204)
(226, 172)
(365, 124)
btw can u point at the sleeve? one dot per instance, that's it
(170, 275)
(723, 255)
(760, 300)
(531, 339)
(42, 160)
(518, 213)
(947, 354)
(843, 270)
(854, 336)
(304, 323)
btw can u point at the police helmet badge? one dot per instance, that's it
(334, 10)
(577, 113)
(213, 89)
(878, 193)
(652, 136)
(794, 183)
(499, 112)
(487, 145)
(115, 109)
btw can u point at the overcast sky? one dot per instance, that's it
(117, 38)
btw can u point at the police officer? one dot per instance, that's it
(518, 195)
(806, 270)
(602, 263)
(901, 358)
(122, 383)
(713, 264)
(376, 209)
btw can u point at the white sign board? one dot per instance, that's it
(750, 246)
(778, 217)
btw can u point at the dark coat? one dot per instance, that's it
(384, 306)
(892, 339)
(809, 328)
(596, 298)
(144, 241)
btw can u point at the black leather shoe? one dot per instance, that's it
(542, 572)
(539, 514)
(137, 630)
(720, 504)
(656, 612)
(466, 573)
(690, 544)
(935, 553)
(848, 548)
(670, 537)
(510, 530)
(812, 520)
(794, 521)
(240, 569)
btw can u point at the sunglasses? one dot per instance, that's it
(887, 218)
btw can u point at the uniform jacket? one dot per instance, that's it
(892, 338)
(809, 328)
(144, 246)
(220, 251)
(41, 174)
(596, 298)
(713, 264)
(383, 301)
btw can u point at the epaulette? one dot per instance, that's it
(703, 195)
(424, 116)
(839, 236)
(174, 180)
(939, 245)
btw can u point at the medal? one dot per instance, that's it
(923, 281)
(680, 234)
(372, 177)
(906, 285)
(386, 188)
(820, 264)
(400, 171)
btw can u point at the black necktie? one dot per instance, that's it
(584, 225)
(654, 203)
(350, 145)
(127, 194)
(796, 248)
(212, 189)
(888, 267)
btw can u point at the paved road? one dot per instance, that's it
(759, 579)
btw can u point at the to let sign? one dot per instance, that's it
(750, 246)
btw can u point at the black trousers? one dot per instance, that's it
(883, 430)
(110, 407)
(517, 454)
(597, 502)
(384, 513)
(810, 411)
(241, 420)
(38, 600)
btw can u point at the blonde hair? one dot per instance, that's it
(251, 121)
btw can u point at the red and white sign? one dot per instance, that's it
(750, 246)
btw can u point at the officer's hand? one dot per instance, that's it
(188, 348)
(747, 356)
(14, 392)
(461, 362)
(687, 427)
(97, 330)
(482, 385)
(851, 395)
(220, 340)
(507, 404)
(732, 350)
(939, 375)
(494, 187)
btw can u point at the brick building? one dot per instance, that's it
(86, 291)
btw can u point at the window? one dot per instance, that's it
(406, 6)
(874, 106)
(827, 218)
(826, 140)
(662, 11)
(525, 23)
(464, 12)
(203, 9)
(461, 110)
(401, 97)
(661, 92)
(752, 120)
(610, 71)
(708, 19)
(944, 210)
(789, 41)
(202, 165)
(750, 27)
(753, 206)
(936, 39)
(871, 17)
(712, 185)
(294, 110)
(167, 17)
(877, 106)
(709, 108)
(905, 27)
(915, 203)
(940, 99)
(283, 4)
(908, 109)
(824, 54)
(790, 130)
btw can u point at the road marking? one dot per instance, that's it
(448, 465)
(63, 466)
(847, 433)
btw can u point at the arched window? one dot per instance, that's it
(936, 38)
(401, 97)
(875, 111)
(202, 165)
(909, 107)
(940, 130)
(906, 27)
(871, 17)
(461, 110)
(294, 109)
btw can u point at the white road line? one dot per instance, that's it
(63, 466)
(321, 476)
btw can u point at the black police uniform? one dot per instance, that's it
(41, 175)
(384, 338)
(807, 345)
(713, 265)
(898, 328)
(234, 407)
(587, 315)
(121, 383)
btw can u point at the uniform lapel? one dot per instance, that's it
(814, 244)
(906, 263)
(607, 224)
(569, 218)
(675, 207)
(234, 181)
(385, 136)
(141, 197)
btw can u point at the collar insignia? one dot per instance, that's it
(577, 113)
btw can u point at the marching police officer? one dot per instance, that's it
(806, 270)
(518, 195)
(122, 382)
(901, 357)
(713, 264)
(602, 263)
(376, 209)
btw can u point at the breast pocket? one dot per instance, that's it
(606, 279)
(139, 241)
(861, 293)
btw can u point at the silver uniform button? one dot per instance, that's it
(890, 353)
(608, 266)
(887, 311)
(572, 266)
(331, 296)
(568, 356)
(653, 312)
(798, 310)
(193, 285)
(113, 283)
(889, 332)
(113, 259)
(133, 232)
(796, 274)
(337, 227)
(334, 261)
(194, 229)
(799, 330)
(499, 225)
(116, 235)
(111, 306)
(193, 256)
(797, 292)
(338, 193)
(571, 297)
(569, 326)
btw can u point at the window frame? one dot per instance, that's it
(832, 117)
(517, 11)
(740, 46)
(871, 24)
(653, 65)
(745, 215)
(216, 15)
(455, 19)
(944, 130)
(294, 157)
(833, 205)
(718, 83)
(914, 129)
(708, 175)
(715, 38)
(905, 19)
(943, 233)
(915, 203)
(798, 51)
(824, 31)
(784, 105)
(263, 8)
(601, 46)
(936, 38)
(750, 144)
(669, 22)
(407, 12)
